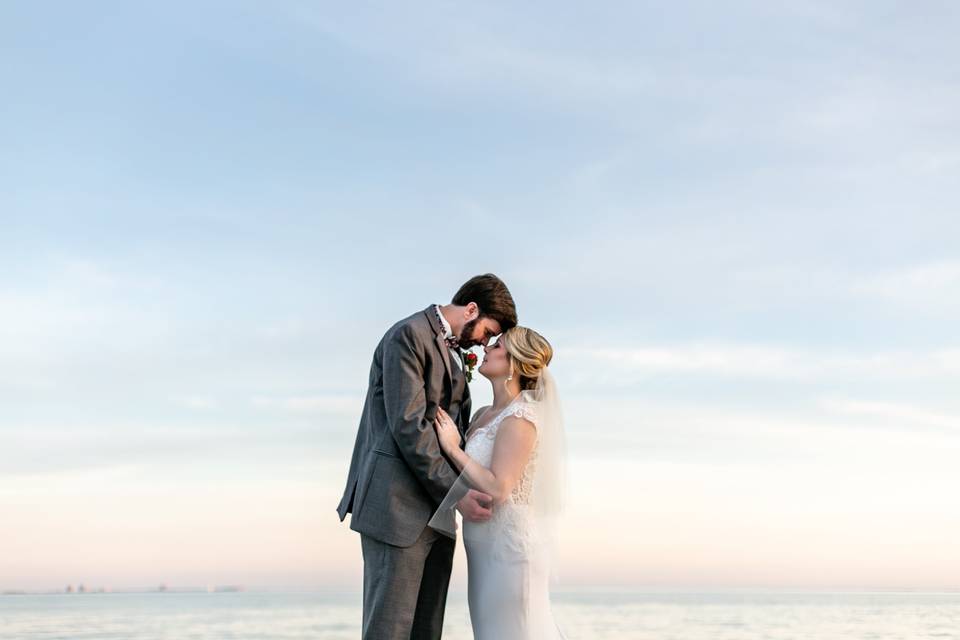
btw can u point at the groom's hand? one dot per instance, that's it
(476, 506)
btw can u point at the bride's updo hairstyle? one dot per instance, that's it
(528, 353)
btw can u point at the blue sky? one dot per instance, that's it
(738, 225)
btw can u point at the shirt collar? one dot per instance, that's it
(446, 325)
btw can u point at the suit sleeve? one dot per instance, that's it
(405, 400)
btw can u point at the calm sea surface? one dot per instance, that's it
(593, 615)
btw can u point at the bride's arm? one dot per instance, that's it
(515, 440)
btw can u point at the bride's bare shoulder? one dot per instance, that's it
(524, 412)
(516, 433)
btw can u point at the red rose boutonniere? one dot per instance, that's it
(469, 361)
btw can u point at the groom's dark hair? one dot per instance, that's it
(493, 298)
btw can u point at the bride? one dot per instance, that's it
(514, 453)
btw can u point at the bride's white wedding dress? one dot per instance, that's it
(508, 561)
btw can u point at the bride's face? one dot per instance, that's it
(496, 363)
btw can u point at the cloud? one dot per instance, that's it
(45, 449)
(72, 298)
(785, 362)
(477, 55)
(197, 402)
(932, 283)
(904, 415)
(326, 404)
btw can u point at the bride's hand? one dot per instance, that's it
(447, 432)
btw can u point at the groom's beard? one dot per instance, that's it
(466, 342)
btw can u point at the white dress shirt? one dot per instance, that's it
(454, 354)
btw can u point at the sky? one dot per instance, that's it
(737, 224)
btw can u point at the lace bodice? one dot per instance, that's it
(509, 532)
(480, 446)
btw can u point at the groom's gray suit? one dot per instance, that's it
(398, 476)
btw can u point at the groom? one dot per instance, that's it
(398, 475)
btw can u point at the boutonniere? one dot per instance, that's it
(469, 362)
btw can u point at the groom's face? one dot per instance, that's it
(479, 332)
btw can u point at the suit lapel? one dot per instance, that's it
(445, 352)
(457, 379)
(439, 341)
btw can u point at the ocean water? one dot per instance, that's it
(594, 615)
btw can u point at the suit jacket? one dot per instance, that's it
(398, 474)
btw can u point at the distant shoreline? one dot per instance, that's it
(101, 591)
(557, 592)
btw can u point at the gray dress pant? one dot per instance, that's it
(405, 588)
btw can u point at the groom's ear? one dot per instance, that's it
(472, 311)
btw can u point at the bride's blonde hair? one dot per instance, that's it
(528, 353)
